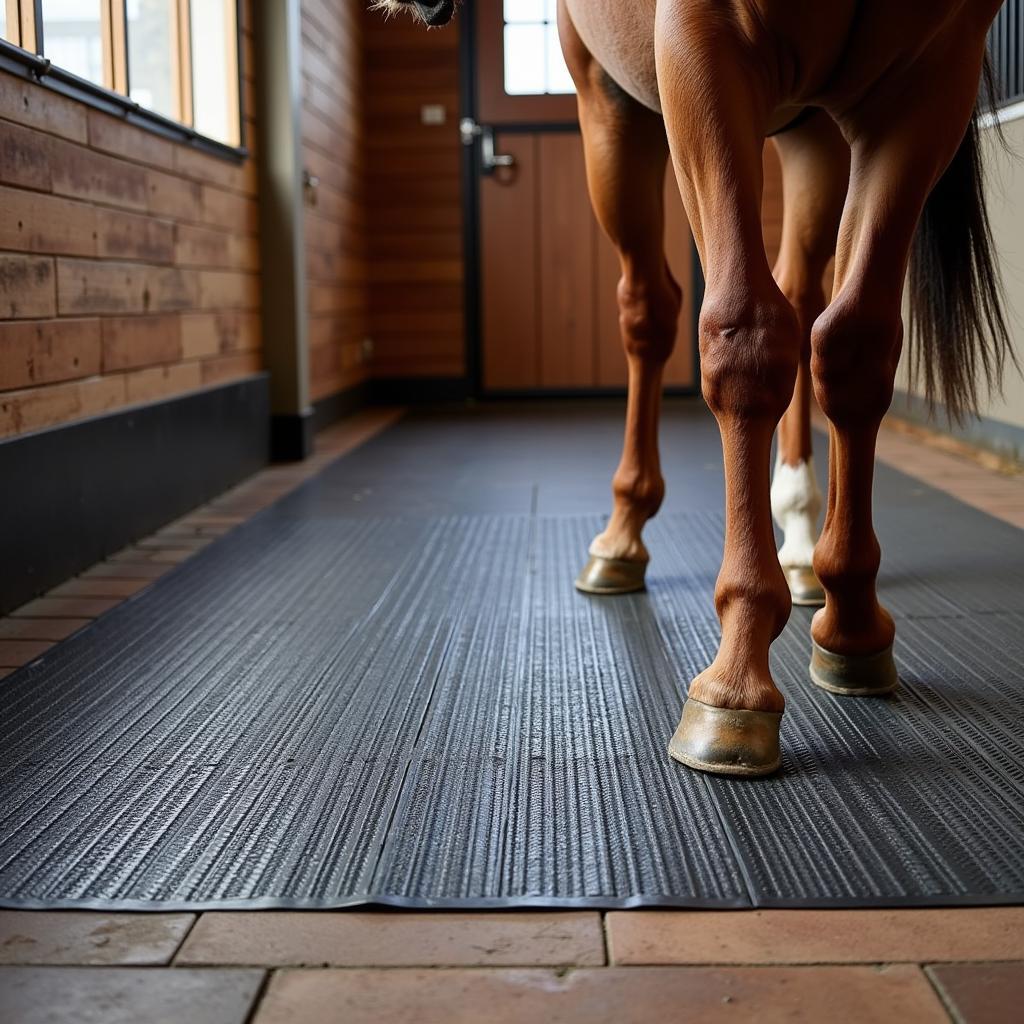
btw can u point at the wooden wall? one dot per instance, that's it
(333, 151)
(129, 267)
(413, 213)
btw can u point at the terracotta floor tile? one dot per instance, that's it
(815, 936)
(5, 672)
(982, 993)
(126, 995)
(40, 629)
(630, 995)
(98, 588)
(65, 607)
(396, 939)
(84, 937)
(15, 653)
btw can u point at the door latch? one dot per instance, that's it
(470, 131)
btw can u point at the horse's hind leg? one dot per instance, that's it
(626, 154)
(815, 161)
(902, 139)
(750, 347)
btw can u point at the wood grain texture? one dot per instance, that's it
(333, 151)
(413, 199)
(510, 272)
(130, 263)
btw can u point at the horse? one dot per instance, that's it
(873, 109)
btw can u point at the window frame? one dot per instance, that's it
(23, 58)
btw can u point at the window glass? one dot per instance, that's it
(151, 70)
(214, 70)
(533, 57)
(73, 37)
(3, 22)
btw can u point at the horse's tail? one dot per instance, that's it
(958, 332)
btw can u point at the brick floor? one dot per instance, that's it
(982, 993)
(965, 965)
(120, 995)
(816, 936)
(631, 995)
(433, 966)
(354, 939)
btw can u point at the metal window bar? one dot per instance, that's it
(1006, 48)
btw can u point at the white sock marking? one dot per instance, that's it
(796, 504)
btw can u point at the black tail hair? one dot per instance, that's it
(958, 332)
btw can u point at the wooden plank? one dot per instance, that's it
(84, 174)
(27, 287)
(47, 351)
(196, 246)
(567, 239)
(90, 286)
(121, 235)
(133, 342)
(231, 367)
(162, 381)
(171, 196)
(207, 334)
(25, 103)
(25, 157)
(509, 274)
(47, 406)
(118, 138)
(228, 289)
(33, 222)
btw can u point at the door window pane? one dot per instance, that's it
(215, 70)
(151, 36)
(3, 22)
(533, 56)
(73, 37)
(524, 10)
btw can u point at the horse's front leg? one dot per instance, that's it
(715, 112)
(815, 162)
(626, 154)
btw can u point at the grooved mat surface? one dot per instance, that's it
(385, 688)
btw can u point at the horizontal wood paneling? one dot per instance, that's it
(129, 264)
(333, 151)
(413, 200)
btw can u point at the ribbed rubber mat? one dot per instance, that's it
(332, 705)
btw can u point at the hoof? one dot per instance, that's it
(611, 576)
(856, 675)
(804, 587)
(727, 741)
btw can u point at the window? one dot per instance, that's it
(1006, 49)
(533, 56)
(73, 37)
(152, 29)
(215, 48)
(174, 58)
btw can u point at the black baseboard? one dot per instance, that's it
(337, 406)
(419, 390)
(291, 436)
(75, 494)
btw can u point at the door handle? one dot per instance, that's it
(470, 131)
